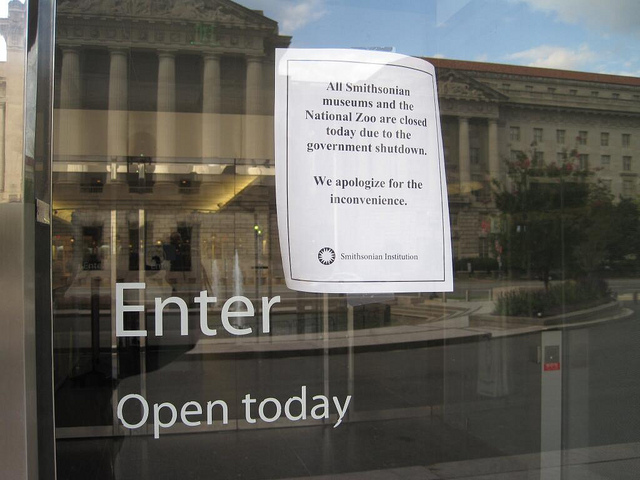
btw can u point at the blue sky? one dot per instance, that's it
(586, 35)
(600, 36)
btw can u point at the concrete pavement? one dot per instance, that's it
(457, 321)
(621, 461)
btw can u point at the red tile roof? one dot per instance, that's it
(533, 71)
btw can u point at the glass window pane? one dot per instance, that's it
(180, 351)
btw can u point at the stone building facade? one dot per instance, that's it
(163, 118)
(492, 112)
(163, 125)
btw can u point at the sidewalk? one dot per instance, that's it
(459, 321)
(620, 461)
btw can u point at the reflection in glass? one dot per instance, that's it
(164, 175)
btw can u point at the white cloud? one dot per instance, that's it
(291, 15)
(630, 67)
(446, 9)
(296, 15)
(613, 15)
(439, 55)
(4, 8)
(549, 56)
(624, 73)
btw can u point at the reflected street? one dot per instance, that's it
(431, 397)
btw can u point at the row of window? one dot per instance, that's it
(628, 186)
(583, 159)
(604, 139)
(581, 139)
(605, 161)
(571, 91)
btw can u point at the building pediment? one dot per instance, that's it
(213, 11)
(458, 86)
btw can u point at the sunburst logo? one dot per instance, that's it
(326, 256)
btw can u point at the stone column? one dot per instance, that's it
(165, 117)
(70, 136)
(211, 107)
(3, 113)
(70, 78)
(118, 114)
(464, 157)
(254, 86)
(254, 134)
(494, 159)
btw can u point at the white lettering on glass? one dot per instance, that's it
(204, 301)
(269, 410)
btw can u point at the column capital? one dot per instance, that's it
(166, 53)
(254, 58)
(118, 51)
(70, 48)
(211, 56)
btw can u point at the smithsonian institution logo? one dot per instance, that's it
(326, 256)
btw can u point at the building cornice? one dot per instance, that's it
(535, 72)
(150, 34)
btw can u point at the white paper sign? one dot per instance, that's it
(360, 178)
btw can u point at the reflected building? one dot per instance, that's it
(11, 106)
(493, 113)
(164, 121)
(169, 105)
(163, 174)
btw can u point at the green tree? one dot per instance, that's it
(550, 217)
(595, 227)
(624, 239)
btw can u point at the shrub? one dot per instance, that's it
(477, 264)
(541, 302)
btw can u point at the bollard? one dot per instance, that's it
(95, 322)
